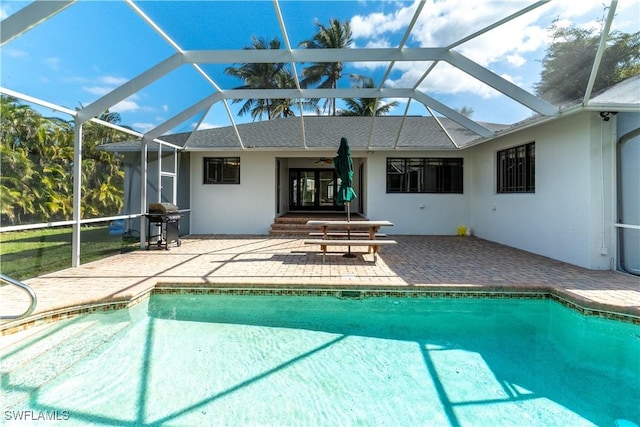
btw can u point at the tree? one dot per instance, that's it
(102, 174)
(366, 106)
(36, 154)
(466, 111)
(327, 74)
(260, 76)
(285, 107)
(36, 161)
(568, 61)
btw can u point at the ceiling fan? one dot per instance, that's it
(326, 160)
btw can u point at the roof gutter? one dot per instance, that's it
(517, 128)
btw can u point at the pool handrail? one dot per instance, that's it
(28, 290)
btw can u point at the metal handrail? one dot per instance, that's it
(27, 289)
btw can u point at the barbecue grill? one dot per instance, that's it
(164, 220)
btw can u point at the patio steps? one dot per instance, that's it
(295, 224)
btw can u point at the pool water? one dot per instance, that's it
(189, 360)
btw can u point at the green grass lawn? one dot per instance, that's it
(31, 253)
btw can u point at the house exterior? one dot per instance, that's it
(566, 187)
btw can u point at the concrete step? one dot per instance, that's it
(295, 225)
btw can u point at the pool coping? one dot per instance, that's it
(582, 305)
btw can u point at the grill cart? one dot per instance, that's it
(164, 220)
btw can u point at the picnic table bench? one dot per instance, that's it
(372, 243)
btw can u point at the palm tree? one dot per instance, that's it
(326, 74)
(366, 106)
(102, 173)
(285, 107)
(36, 160)
(261, 76)
(466, 111)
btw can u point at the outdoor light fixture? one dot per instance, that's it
(605, 115)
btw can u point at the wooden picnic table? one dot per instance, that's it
(372, 243)
(373, 226)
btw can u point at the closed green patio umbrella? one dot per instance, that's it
(343, 164)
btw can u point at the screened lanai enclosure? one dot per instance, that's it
(102, 101)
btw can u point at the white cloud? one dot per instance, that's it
(143, 127)
(445, 79)
(96, 90)
(16, 53)
(127, 105)
(513, 47)
(3, 12)
(516, 60)
(205, 125)
(377, 23)
(107, 84)
(113, 80)
(627, 16)
(53, 62)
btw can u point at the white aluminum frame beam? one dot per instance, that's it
(500, 84)
(194, 109)
(601, 48)
(267, 56)
(403, 42)
(131, 87)
(482, 31)
(29, 17)
(178, 49)
(464, 121)
(287, 43)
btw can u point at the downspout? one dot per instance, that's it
(603, 248)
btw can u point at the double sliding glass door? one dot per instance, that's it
(313, 189)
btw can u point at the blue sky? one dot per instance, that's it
(93, 47)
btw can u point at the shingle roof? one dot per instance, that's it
(625, 92)
(326, 132)
(363, 133)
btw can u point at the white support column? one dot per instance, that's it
(143, 191)
(77, 193)
(159, 176)
(175, 176)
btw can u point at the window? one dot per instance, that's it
(424, 175)
(222, 170)
(517, 169)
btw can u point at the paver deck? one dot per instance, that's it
(416, 262)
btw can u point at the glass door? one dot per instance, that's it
(313, 189)
(327, 188)
(308, 196)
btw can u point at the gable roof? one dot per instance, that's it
(320, 132)
(325, 132)
(372, 133)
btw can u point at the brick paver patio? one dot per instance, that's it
(416, 262)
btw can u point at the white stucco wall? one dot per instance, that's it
(416, 213)
(563, 218)
(245, 208)
(570, 216)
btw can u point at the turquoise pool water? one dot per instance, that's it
(190, 360)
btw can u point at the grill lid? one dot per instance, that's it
(162, 208)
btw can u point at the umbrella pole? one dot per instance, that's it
(349, 254)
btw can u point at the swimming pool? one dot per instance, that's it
(320, 360)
